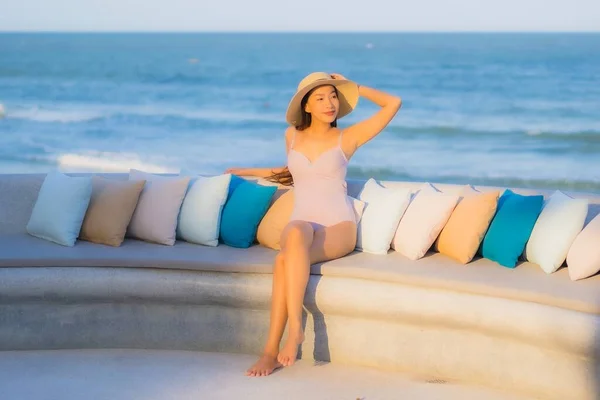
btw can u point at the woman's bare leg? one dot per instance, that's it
(268, 360)
(303, 246)
(296, 240)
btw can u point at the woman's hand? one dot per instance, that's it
(342, 77)
(339, 76)
(235, 171)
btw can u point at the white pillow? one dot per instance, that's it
(558, 225)
(155, 217)
(583, 259)
(423, 221)
(383, 209)
(200, 216)
(359, 208)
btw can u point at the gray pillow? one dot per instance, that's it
(155, 217)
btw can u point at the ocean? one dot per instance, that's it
(509, 109)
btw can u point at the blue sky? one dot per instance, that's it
(300, 15)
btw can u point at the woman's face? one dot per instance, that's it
(323, 104)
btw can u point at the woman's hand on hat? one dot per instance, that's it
(339, 76)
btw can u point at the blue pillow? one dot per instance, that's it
(60, 208)
(501, 201)
(511, 227)
(243, 212)
(233, 184)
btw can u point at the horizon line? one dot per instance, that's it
(303, 32)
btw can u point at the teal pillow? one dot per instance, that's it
(511, 227)
(233, 184)
(501, 201)
(243, 212)
(60, 207)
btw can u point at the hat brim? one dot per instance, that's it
(347, 95)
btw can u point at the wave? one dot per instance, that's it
(588, 186)
(177, 78)
(40, 114)
(78, 114)
(42, 156)
(401, 127)
(202, 114)
(108, 162)
(587, 135)
(58, 76)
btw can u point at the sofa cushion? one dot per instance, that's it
(583, 258)
(558, 225)
(243, 212)
(200, 216)
(511, 228)
(482, 277)
(155, 216)
(423, 221)
(383, 209)
(60, 208)
(111, 206)
(466, 227)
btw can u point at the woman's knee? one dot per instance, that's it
(297, 233)
(279, 262)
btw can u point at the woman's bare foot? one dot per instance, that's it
(287, 355)
(265, 365)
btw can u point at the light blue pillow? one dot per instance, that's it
(511, 227)
(243, 212)
(200, 216)
(60, 208)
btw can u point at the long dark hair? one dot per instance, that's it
(285, 176)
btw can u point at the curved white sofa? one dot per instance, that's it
(518, 330)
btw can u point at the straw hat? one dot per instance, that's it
(347, 95)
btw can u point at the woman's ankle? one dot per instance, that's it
(270, 351)
(295, 330)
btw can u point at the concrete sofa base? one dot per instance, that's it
(513, 345)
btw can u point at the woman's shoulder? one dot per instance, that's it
(290, 132)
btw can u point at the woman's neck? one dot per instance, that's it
(318, 129)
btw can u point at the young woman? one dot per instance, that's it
(322, 226)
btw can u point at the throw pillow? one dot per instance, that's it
(155, 217)
(60, 207)
(583, 258)
(200, 216)
(511, 227)
(424, 219)
(110, 210)
(243, 212)
(383, 210)
(558, 225)
(463, 233)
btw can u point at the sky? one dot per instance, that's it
(299, 15)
